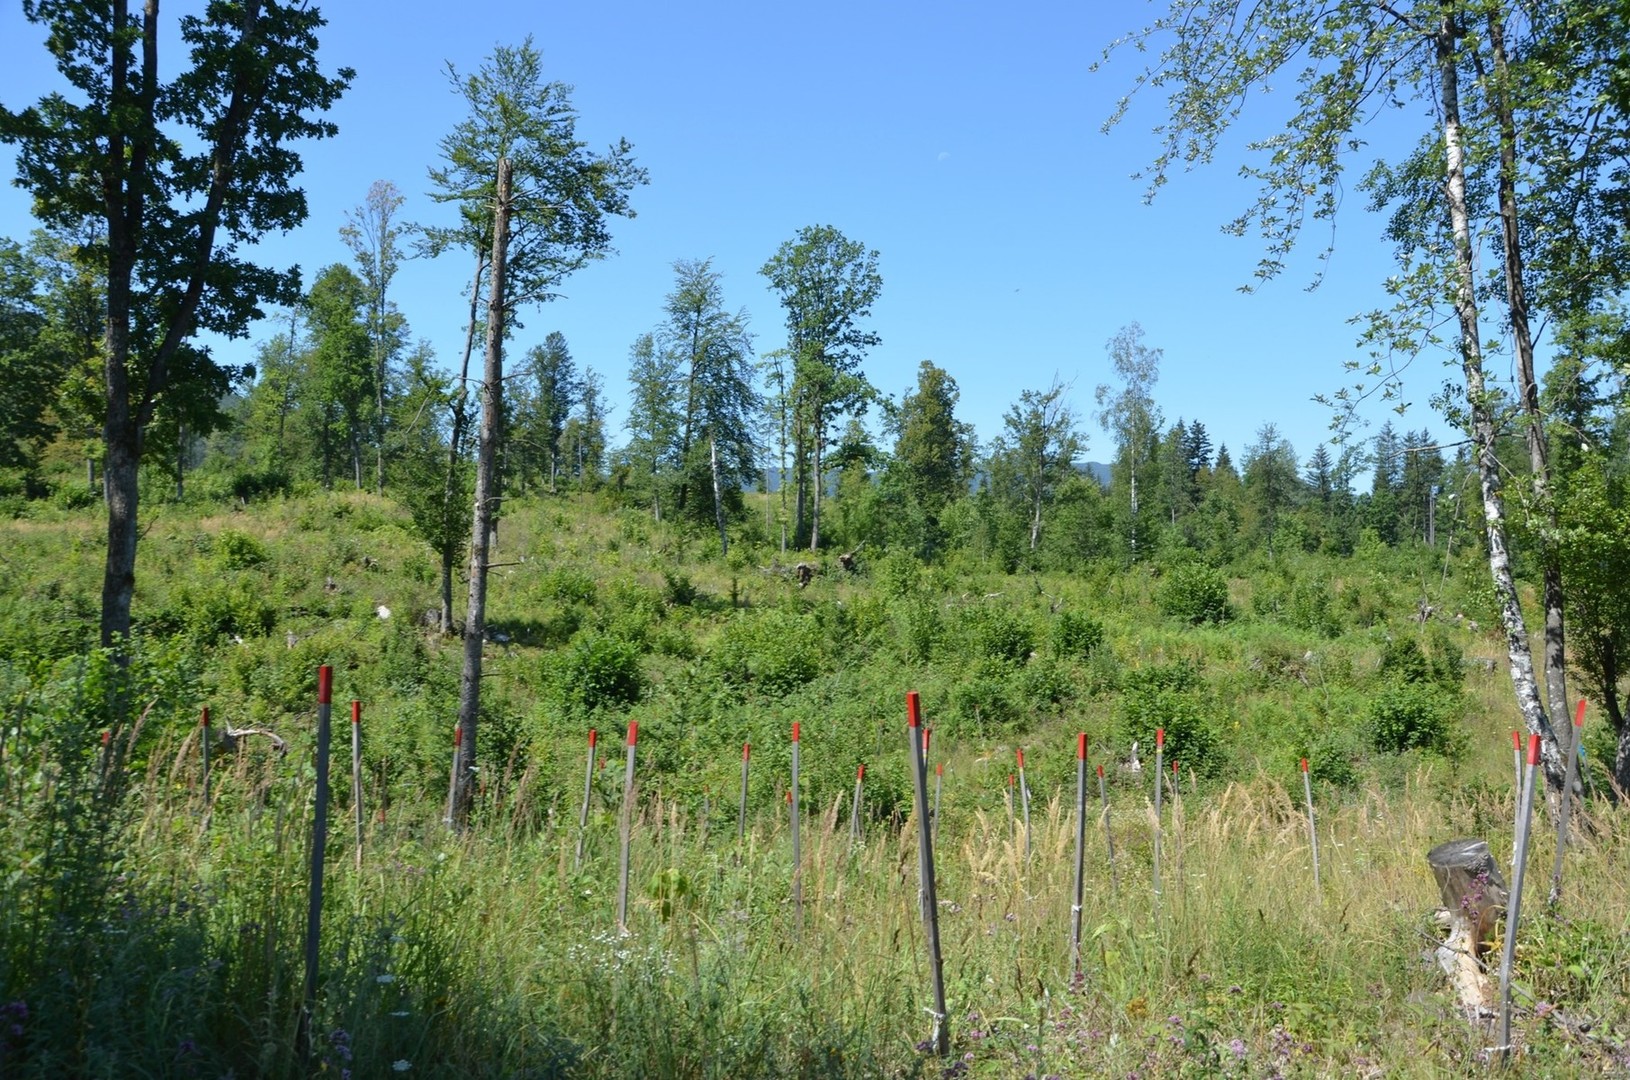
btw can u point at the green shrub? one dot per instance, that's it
(1194, 593)
(597, 672)
(775, 652)
(997, 633)
(1076, 634)
(1413, 716)
(238, 551)
(1191, 734)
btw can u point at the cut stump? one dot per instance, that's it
(1474, 898)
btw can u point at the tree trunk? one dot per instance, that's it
(120, 459)
(447, 591)
(1482, 418)
(486, 482)
(718, 495)
(1528, 392)
(818, 481)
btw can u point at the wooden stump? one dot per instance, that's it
(1474, 897)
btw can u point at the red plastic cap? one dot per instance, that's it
(1019, 753)
(746, 748)
(204, 720)
(1100, 772)
(594, 736)
(795, 731)
(928, 734)
(325, 685)
(1160, 736)
(633, 731)
(914, 709)
(860, 773)
(1009, 779)
(356, 712)
(1304, 764)
(1081, 745)
(458, 735)
(1174, 766)
(939, 768)
(1579, 714)
(1533, 749)
(106, 735)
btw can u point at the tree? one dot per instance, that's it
(176, 174)
(1272, 480)
(1130, 413)
(1356, 59)
(653, 418)
(933, 450)
(1037, 450)
(826, 283)
(437, 497)
(339, 380)
(527, 189)
(371, 232)
(544, 402)
(712, 353)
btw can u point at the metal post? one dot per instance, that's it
(941, 1038)
(1160, 755)
(741, 808)
(356, 775)
(939, 781)
(1024, 799)
(1516, 757)
(319, 842)
(1312, 828)
(854, 808)
(1109, 835)
(627, 830)
(1567, 800)
(1080, 849)
(588, 794)
(452, 784)
(203, 737)
(1514, 903)
(797, 855)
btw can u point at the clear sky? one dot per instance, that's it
(962, 142)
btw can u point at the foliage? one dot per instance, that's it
(1194, 593)
(1076, 635)
(1414, 716)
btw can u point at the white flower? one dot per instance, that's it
(401, 1066)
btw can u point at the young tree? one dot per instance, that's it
(527, 189)
(1037, 448)
(826, 283)
(933, 450)
(177, 173)
(653, 418)
(553, 393)
(712, 351)
(1271, 480)
(339, 378)
(1130, 413)
(374, 237)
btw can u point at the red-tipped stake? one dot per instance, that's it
(741, 807)
(1080, 849)
(319, 843)
(203, 743)
(1109, 836)
(1024, 801)
(1516, 757)
(1312, 829)
(1514, 903)
(626, 828)
(854, 809)
(1567, 801)
(588, 792)
(1160, 753)
(452, 784)
(356, 776)
(797, 856)
(941, 1039)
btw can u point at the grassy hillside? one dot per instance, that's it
(141, 932)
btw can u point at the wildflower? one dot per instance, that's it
(1237, 1048)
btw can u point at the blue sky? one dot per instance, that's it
(962, 143)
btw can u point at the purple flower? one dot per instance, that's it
(1237, 1048)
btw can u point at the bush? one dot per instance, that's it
(598, 672)
(1413, 716)
(996, 633)
(1194, 593)
(1191, 735)
(1076, 634)
(238, 551)
(776, 652)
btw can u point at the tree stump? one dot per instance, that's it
(805, 573)
(1474, 897)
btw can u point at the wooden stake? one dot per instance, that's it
(588, 794)
(941, 1039)
(626, 827)
(319, 843)
(1567, 801)
(1312, 828)
(1080, 850)
(356, 776)
(1514, 903)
